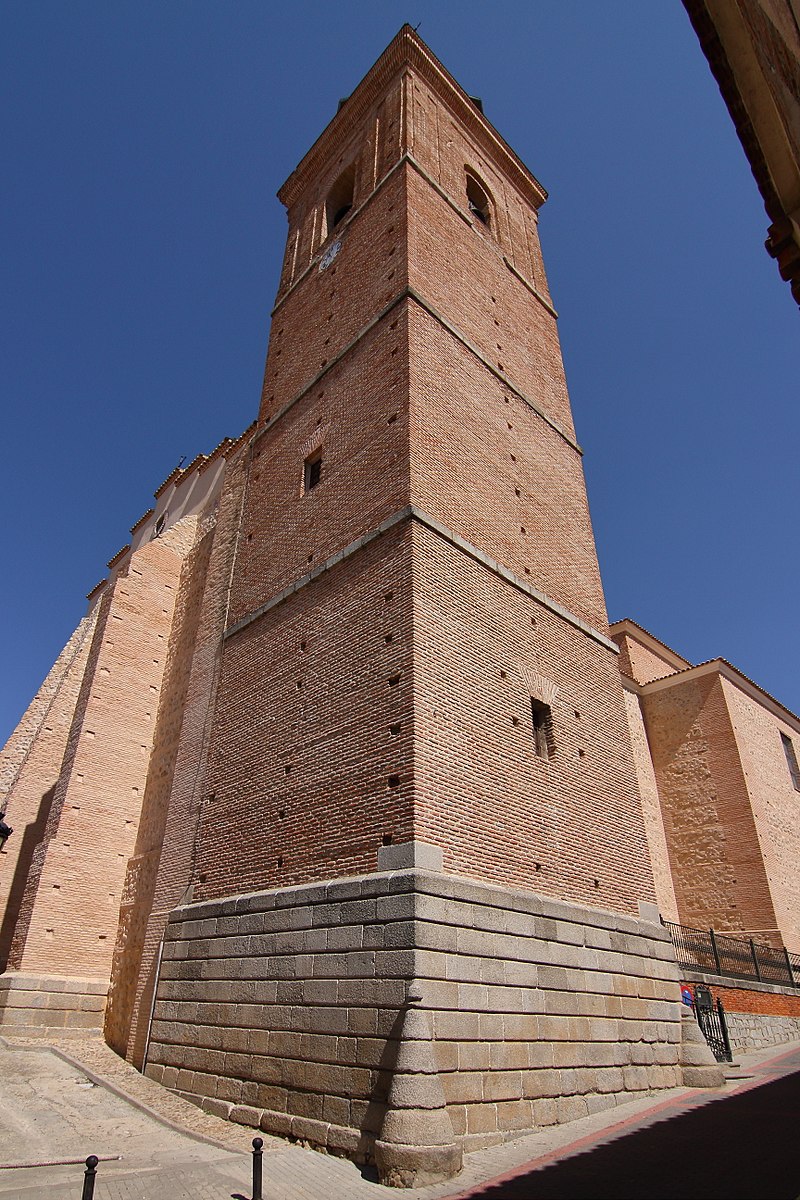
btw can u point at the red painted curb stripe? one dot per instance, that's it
(678, 1102)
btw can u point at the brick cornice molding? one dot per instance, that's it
(412, 513)
(410, 293)
(406, 52)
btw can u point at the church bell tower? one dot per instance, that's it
(422, 910)
(417, 645)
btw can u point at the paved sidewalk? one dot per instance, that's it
(77, 1098)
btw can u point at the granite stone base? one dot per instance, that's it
(756, 1031)
(282, 1009)
(758, 1014)
(50, 1005)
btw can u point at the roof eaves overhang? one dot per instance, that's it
(726, 670)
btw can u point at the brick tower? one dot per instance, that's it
(417, 645)
(421, 851)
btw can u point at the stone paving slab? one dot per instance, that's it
(100, 1064)
(51, 1109)
(173, 1151)
(208, 1183)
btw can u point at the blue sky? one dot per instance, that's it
(143, 144)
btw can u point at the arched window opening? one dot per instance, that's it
(340, 198)
(478, 201)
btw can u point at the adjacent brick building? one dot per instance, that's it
(721, 757)
(97, 742)
(336, 795)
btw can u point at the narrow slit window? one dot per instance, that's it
(340, 198)
(791, 761)
(542, 719)
(312, 472)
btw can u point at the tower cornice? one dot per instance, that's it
(407, 51)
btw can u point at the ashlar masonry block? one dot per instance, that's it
(333, 1048)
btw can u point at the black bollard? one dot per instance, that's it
(257, 1154)
(89, 1176)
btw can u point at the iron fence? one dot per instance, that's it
(711, 1019)
(721, 954)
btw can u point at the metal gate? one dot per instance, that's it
(711, 1019)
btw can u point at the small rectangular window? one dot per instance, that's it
(791, 761)
(312, 472)
(542, 728)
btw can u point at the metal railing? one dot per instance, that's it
(740, 958)
(711, 1019)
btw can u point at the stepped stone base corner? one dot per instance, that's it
(50, 1005)
(700, 1068)
(293, 1011)
(404, 1166)
(417, 1145)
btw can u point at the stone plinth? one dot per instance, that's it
(283, 1009)
(48, 1005)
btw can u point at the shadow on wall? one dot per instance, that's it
(31, 838)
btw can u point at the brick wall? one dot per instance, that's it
(162, 868)
(339, 720)
(757, 1015)
(775, 803)
(513, 328)
(311, 765)
(729, 804)
(651, 809)
(357, 419)
(141, 872)
(569, 825)
(30, 767)
(45, 709)
(776, 1003)
(372, 140)
(641, 663)
(480, 457)
(332, 306)
(442, 144)
(69, 915)
(718, 869)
